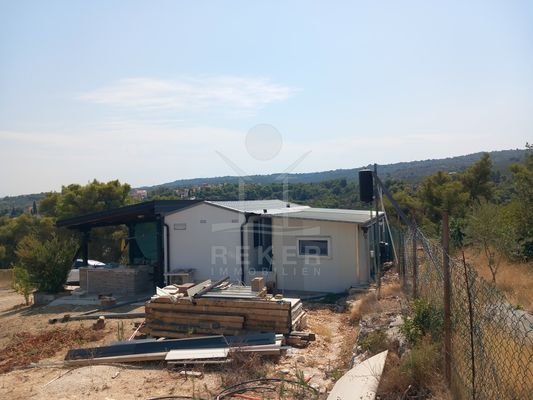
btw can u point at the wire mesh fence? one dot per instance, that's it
(491, 341)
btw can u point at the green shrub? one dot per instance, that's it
(421, 362)
(47, 262)
(375, 342)
(21, 283)
(426, 319)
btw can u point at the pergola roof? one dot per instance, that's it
(147, 211)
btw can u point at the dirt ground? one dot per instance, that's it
(319, 364)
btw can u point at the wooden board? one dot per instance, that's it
(184, 324)
(195, 289)
(169, 328)
(216, 309)
(261, 304)
(239, 319)
(119, 359)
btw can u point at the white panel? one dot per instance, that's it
(211, 248)
(196, 354)
(334, 273)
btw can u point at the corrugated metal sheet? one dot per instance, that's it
(331, 214)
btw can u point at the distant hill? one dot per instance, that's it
(412, 171)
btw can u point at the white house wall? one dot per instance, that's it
(337, 272)
(209, 244)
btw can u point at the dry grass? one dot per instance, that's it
(346, 349)
(243, 367)
(502, 363)
(26, 348)
(514, 279)
(321, 330)
(393, 289)
(414, 376)
(368, 304)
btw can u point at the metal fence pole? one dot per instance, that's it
(415, 262)
(377, 250)
(401, 257)
(447, 292)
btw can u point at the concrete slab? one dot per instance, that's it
(93, 300)
(362, 381)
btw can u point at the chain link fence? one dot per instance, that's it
(491, 341)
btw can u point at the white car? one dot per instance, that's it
(74, 274)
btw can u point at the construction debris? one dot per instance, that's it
(221, 308)
(99, 324)
(361, 382)
(192, 374)
(204, 350)
(84, 317)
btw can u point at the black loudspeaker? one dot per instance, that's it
(366, 186)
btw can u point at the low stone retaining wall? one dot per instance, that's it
(123, 281)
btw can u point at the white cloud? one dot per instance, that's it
(190, 94)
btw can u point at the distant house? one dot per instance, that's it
(294, 247)
(139, 194)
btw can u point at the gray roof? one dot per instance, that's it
(278, 208)
(331, 214)
(258, 206)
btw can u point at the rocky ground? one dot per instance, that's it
(319, 364)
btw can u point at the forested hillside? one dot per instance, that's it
(489, 209)
(411, 172)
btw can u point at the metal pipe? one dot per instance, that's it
(246, 217)
(377, 245)
(167, 255)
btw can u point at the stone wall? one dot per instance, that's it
(123, 281)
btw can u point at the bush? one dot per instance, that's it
(47, 262)
(21, 283)
(426, 320)
(422, 362)
(375, 342)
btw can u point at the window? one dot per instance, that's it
(313, 247)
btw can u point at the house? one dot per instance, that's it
(294, 247)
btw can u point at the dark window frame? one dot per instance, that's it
(314, 243)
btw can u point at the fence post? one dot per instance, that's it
(415, 266)
(377, 248)
(447, 308)
(401, 257)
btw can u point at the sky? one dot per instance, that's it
(149, 92)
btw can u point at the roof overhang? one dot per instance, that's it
(141, 212)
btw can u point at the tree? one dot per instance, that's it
(477, 180)
(439, 193)
(47, 262)
(490, 233)
(13, 230)
(522, 203)
(21, 283)
(75, 200)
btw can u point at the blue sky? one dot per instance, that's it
(153, 91)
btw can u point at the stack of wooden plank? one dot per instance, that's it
(219, 312)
